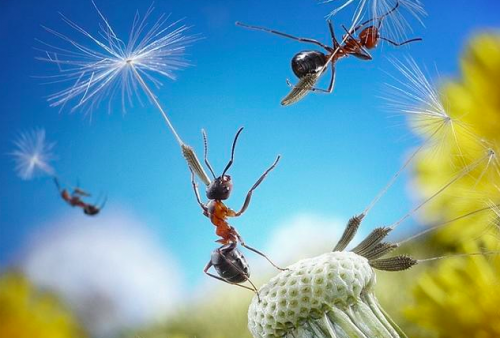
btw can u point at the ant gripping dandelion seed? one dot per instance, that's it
(74, 199)
(32, 157)
(227, 260)
(309, 66)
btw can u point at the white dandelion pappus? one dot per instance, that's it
(394, 25)
(110, 66)
(105, 65)
(33, 155)
(417, 98)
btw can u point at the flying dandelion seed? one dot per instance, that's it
(106, 67)
(417, 98)
(103, 65)
(395, 25)
(33, 155)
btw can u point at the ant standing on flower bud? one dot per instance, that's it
(227, 260)
(309, 65)
(75, 199)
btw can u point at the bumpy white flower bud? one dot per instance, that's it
(326, 296)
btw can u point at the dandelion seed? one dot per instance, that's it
(395, 25)
(103, 65)
(107, 67)
(416, 98)
(33, 155)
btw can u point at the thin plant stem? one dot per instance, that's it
(157, 104)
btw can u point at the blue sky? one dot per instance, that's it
(337, 150)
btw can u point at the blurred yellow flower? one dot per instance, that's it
(460, 297)
(28, 313)
(474, 102)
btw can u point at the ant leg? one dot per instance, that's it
(250, 192)
(257, 251)
(205, 143)
(197, 193)
(316, 89)
(104, 202)
(332, 33)
(316, 42)
(209, 265)
(263, 255)
(398, 44)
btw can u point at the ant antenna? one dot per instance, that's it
(232, 151)
(398, 44)
(205, 143)
(335, 43)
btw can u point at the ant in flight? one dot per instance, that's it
(75, 199)
(227, 260)
(309, 65)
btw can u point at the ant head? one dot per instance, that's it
(369, 37)
(220, 188)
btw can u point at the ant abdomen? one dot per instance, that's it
(231, 265)
(308, 62)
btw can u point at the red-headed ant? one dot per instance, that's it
(227, 260)
(309, 65)
(75, 199)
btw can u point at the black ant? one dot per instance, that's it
(309, 65)
(227, 260)
(75, 199)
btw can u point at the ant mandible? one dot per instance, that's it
(227, 260)
(309, 65)
(75, 199)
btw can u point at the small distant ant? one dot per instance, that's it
(227, 260)
(309, 65)
(75, 199)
